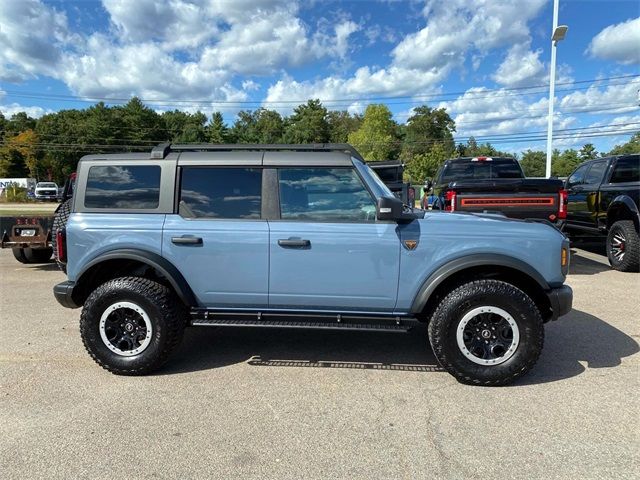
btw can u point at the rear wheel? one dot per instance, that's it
(18, 253)
(623, 246)
(38, 255)
(131, 325)
(487, 332)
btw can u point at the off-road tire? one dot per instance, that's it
(463, 299)
(38, 255)
(631, 260)
(19, 255)
(60, 221)
(166, 312)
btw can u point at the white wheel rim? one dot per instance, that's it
(106, 333)
(506, 319)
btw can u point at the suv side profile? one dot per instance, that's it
(297, 236)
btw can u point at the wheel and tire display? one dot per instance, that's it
(623, 246)
(487, 332)
(60, 221)
(131, 325)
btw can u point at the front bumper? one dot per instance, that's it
(64, 294)
(561, 300)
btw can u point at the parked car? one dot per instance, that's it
(391, 173)
(603, 203)
(297, 236)
(46, 191)
(494, 184)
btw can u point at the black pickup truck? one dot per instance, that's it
(494, 184)
(603, 202)
(391, 173)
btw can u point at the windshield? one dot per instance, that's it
(467, 170)
(47, 185)
(376, 185)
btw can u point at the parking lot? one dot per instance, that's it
(305, 404)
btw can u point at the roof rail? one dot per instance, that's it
(163, 149)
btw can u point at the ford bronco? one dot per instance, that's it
(297, 236)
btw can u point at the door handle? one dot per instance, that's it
(294, 243)
(186, 240)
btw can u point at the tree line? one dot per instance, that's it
(48, 148)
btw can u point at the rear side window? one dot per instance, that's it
(324, 195)
(209, 192)
(626, 170)
(123, 187)
(595, 173)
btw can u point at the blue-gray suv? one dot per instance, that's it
(297, 236)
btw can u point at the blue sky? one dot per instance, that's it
(477, 58)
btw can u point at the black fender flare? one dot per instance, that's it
(157, 262)
(626, 202)
(475, 260)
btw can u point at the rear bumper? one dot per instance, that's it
(561, 300)
(64, 294)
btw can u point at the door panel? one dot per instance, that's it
(229, 267)
(344, 266)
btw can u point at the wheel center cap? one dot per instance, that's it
(486, 333)
(128, 327)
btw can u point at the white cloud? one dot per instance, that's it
(11, 109)
(31, 39)
(620, 42)
(613, 98)
(521, 66)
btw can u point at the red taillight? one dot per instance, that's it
(562, 206)
(60, 246)
(450, 201)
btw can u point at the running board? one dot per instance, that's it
(317, 321)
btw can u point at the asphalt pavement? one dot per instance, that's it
(327, 405)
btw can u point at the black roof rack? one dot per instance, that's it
(163, 149)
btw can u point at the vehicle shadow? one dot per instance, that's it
(576, 339)
(569, 342)
(43, 267)
(581, 265)
(206, 348)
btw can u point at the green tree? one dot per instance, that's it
(269, 126)
(588, 152)
(376, 138)
(19, 122)
(533, 163)
(140, 124)
(425, 165)
(562, 164)
(308, 124)
(18, 154)
(217, 130)
(341, 124)
(183, 127)
(3, 125)
(425, 128)
(632, 146)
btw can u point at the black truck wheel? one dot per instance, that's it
(131, 325)
(60, 221)
(623, 246)
(487, 332)
(38, 255)
(18, 253)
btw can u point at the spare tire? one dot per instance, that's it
(60, 221)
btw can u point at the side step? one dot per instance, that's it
(316, 321)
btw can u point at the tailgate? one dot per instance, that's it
(520, 205)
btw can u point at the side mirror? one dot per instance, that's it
(389, 208)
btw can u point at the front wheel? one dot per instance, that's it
(623, 246)
(487, 332)
(131, 325)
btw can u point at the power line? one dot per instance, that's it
(236, 103)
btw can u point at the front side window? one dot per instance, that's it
(626, 170)
(324, 195)
(595, 173)
(210, 192)
(123, 187)
(577, 177)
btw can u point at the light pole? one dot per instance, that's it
(559, 33)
